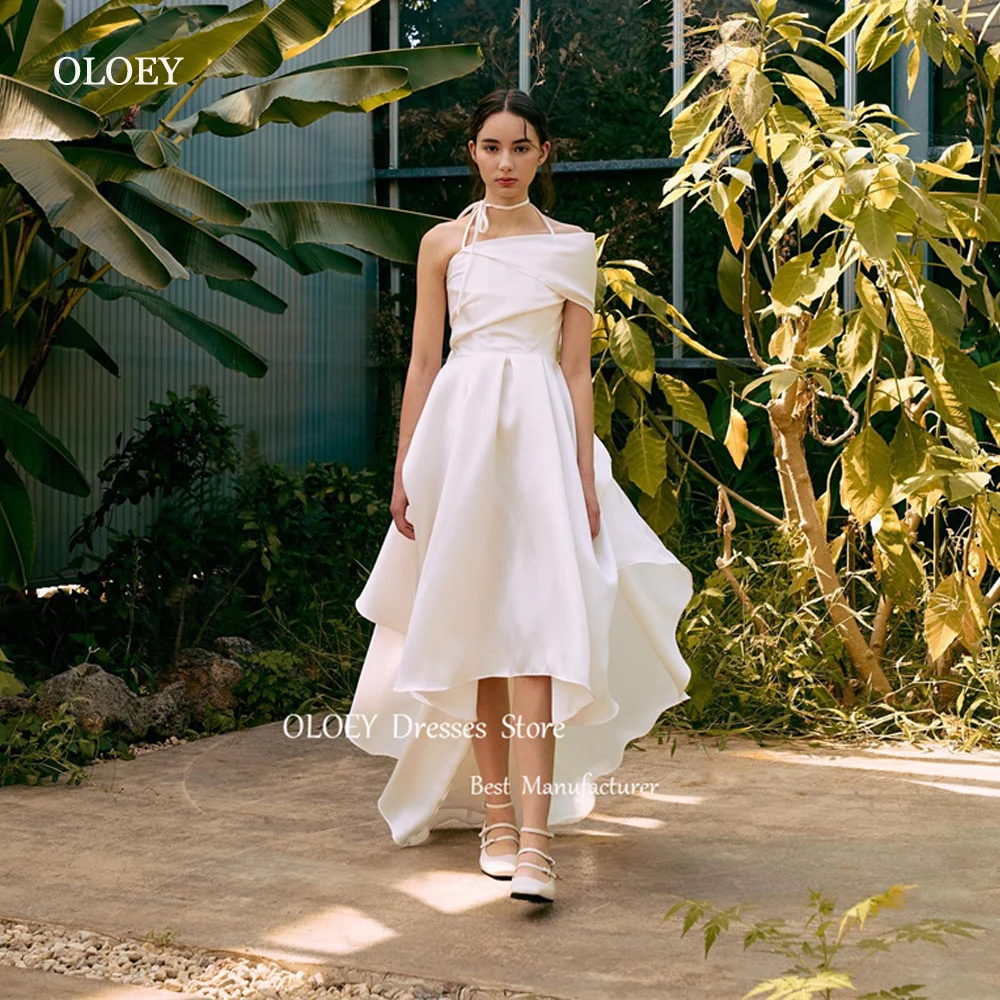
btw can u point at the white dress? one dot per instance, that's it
(503, 577)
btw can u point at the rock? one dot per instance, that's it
(208, 678)
(100, 700)
(167, 712)
(235, 647)
(12, 705)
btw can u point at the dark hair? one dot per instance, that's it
(519, 103)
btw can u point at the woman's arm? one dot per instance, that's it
(425, 355)
(578, 324)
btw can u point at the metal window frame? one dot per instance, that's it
(916, 110)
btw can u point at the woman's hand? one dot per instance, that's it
(397, 507)
(593, 507)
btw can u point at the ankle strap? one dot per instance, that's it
(534, 829)
(496, 805)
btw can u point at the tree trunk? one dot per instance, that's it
(788, 425)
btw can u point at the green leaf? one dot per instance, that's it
(169, 183)
(947, 403)
(228, 349)
(604, 406)
(250, 292)
(892, 392)
(646, 458)
(991, 63)
(806, 91)
(815, 202)
(196, 249)
(71, 201)
(196, 53)
(875, 232)
(687, 405)
(851, 18)
(73, 336)
(97, 24)
(953, 260)
(924, 206)
(918, 14)
(729, 276)
(391, 233)
(866, 482)
(38, 452)
(17, 528)
(26, 112)
(825, 327)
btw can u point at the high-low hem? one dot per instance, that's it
(502, 577)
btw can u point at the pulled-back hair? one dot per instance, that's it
(519, 103)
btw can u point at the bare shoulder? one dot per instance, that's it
(440, 242)
(564, 227)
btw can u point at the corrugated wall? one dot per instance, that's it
(315, 400)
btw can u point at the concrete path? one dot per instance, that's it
(254, 842)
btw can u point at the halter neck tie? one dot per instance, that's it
(481, 223)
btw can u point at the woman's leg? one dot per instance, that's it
(492, 752)
(535, 756)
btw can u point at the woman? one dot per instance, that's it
(524, 612)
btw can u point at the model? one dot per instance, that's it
(525, 613)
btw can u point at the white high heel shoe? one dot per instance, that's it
(526, 887)
(499, 866)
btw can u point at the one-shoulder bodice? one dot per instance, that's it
(506, 293)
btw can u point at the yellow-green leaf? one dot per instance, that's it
(910, 449)
(954, 611)
(685, 402)
(856, 350)
(633, 351)
(695, 120)
(736, 442)
(646, 458)
(902, 573)
(751, 99)
(866, 480)
(914, 324)
(875, 232)
(659, 511)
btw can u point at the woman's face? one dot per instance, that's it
(508, 154)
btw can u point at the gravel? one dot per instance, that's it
(193, 971)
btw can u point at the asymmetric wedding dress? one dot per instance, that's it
(503, 577)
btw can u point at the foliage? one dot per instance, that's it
(79, 179)
(39, 745)
(766, 661)
(818, 951)
(821, 204)
(273, 685)
(220, 555)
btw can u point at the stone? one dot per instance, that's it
(12, 706)
(235, 647)
(99, 700)
(208, 678)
